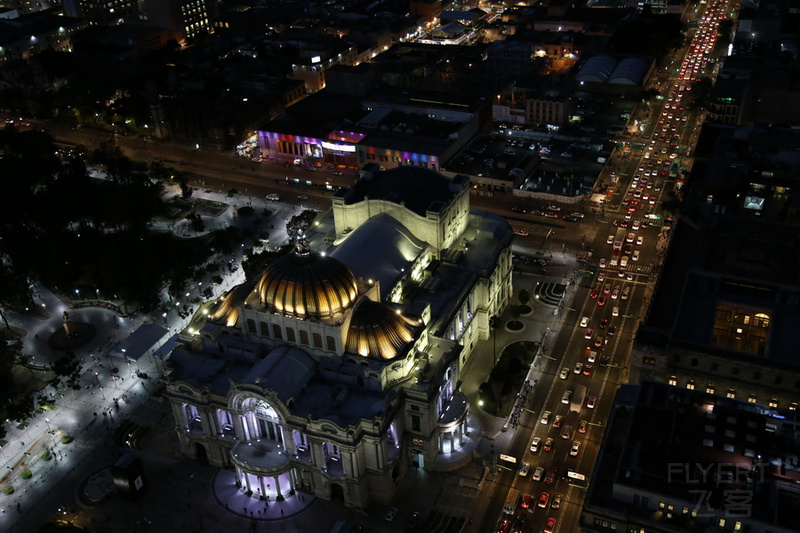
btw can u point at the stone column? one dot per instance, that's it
(263, 489)
(279, 497)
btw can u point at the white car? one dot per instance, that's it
(635, 256)
(615, 311)
(538, 473)
(584, 321)
(564, 374)
(610, 239)
(545, 418)
(576, 448)
(602, 263)
(535, 444)
(640, 240)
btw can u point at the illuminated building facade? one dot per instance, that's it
(338, 368)
(391, 128)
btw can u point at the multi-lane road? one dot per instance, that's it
(613, 300)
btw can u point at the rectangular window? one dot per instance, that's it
(415, 423)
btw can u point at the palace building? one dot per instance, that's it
(339, 367)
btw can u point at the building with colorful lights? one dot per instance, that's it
(338, 368)
(390, 127)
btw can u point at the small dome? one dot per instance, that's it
(377, 331)
(307, 285)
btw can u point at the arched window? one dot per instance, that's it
(331, 343)
(251, 325)
(264, 329)
(317, 340)
(303, 337)
(276, 332)
(290, 335)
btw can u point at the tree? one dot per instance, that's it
(524, 297)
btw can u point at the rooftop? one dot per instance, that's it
(418, 189)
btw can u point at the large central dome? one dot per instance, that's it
(307, 285)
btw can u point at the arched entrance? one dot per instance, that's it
(337, 493)
(200, 453)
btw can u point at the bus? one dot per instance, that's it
(510, 507)
(619, 239)
(578, 397)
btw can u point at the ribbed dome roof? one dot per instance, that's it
(377, 331)
(307, 285)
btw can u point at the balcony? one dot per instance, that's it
(261, 456)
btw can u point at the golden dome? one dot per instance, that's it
(307, 285)
(377, 331)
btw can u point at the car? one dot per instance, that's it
(544, 498)
(612, 331)
(548, 445)
(626, 292)
(550, 214)
(578, 368)
(524, 469)
(555, 503)
(550, 476)
(629, 276)
(592, 356)
(538, 473)
(273, 197)
(582, 426)
(550, 527)
(615, 311)
(584, 321)
(601, 300)
(390, 514)
(588, 334)
(590, 403)
(599, 341)
(606, 288)
(576, 448)
(602, 263)
(587, 370)
(566, 433)
(553, 208)
(631, 236)
(635, 225)
(545, 417)
(526, 501)
(302, 197)
(635, 255)
(535, 443)
(564, 374)
(610, 239)
(566, 397)
(544, 272)
(571, 219)
(601, 276)
(604, 360)
(521, 210)
(557, 421)
(577, 214)
(413, 519)
(603, 324)
(615, 292)
(521, 232)
(503, 526)
(595, 293)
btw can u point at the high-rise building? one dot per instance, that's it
(187, 18)
(101, 11)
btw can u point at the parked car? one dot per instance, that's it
(390, 514)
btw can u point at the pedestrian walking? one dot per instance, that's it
(281, 512)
